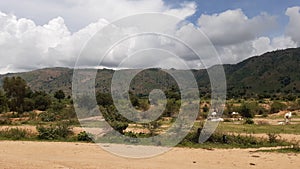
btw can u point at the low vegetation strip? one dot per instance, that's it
(37, 115)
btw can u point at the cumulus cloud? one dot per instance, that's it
(238, 37)
(27, 45)
(293, 27)
(24, 45)
(233, 26)
(80, 13)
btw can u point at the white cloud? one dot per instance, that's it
(264, 44)
(233, 26)
(238, 37)
(187, 9)
(293, 26)
(26, 45)
(80, 13)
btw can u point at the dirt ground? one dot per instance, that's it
(36, 155)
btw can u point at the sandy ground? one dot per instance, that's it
(36, 155)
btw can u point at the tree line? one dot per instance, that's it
(17, 96)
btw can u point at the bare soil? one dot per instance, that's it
(48, 155)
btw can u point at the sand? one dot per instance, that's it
(36, 155)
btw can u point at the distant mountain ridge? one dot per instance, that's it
(273, 73)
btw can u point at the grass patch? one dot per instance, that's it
(293, 148)
(258, 129)
(16, 134)
(282, 150)
(232, 141)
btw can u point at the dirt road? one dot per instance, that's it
(36, 155)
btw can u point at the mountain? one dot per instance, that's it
(273, 73)
(276, 72)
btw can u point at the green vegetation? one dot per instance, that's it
(84, 136)
(277, 106)
(59, 95)
(16, 134)
(293, 148)
(232, 141)
(257, 88)
(258, 129)
(223, 139)
(54, 132)
(273, 75)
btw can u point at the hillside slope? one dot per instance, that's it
(273, 73)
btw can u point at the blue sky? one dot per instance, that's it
(251, 8)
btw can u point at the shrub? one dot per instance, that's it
(249, 121)
(57, 106)
(245, 111)
(59, 95)
(272, 137)
(119, 126)
(243, 140)
(205, 108)
(277, 106)
(15, 133)
(52, 132)
(192, 137)
(84, 136)
(47, 116)
(42, 101)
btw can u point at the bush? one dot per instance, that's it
(249, 121)
(52, 132)
(264, 115)
(245, 111)
(57, 106)
(119, 126)
(84, 136)
(42, 101)
(47, 116)
(244, 140)
(249, 109)
(272, 137)
(205, 108)
(192, 137)
(277, 106)
(15, 133)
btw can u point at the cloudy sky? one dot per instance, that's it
(46, 33)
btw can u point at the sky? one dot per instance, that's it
(52, 33)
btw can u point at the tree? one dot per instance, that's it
(246, 111)
(3, 102)
(59, 95)
(134, 99)
(249, 109)
(42, 100)
(15, 89)
(172, 108)
(104, 99)
(277, 106)
(28, 104)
